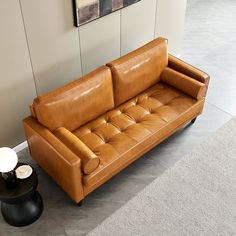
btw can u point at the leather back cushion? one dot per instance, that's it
(138, 70)
(76, 103)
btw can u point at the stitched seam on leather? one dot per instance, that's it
(97, 133)
(99, 136)
(108, 140)
(179, 96)
(156, 114)
(132, 118)
(128, 116)
(140, 117)
(125, 114)
(115, 127)
(121, 153)
(86, 126)
(149, 110)
(126, 126)
(160, 107)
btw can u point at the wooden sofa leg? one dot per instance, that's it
(79, 204)
(193, 120)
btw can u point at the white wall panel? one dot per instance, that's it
(170, 22)
(100, 41)
(54, 48)
(137, 25)
(53, 42)
(16, 80)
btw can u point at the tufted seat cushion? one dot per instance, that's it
(122, 130)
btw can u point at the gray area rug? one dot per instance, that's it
(195, 197)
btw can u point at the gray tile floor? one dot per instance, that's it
(209, 43)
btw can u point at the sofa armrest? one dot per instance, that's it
(184, 83)
(90, 161)
(187, 69)
(55, 158)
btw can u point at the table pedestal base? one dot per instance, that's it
(24, 213)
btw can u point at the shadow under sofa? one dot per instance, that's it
(87, 131)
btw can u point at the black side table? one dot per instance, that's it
(21, 205)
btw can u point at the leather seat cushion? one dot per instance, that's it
(113, 134)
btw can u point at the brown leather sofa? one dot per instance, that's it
(87, 131)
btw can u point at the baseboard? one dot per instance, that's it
(21, 146)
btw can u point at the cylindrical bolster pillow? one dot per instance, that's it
(90, 161)
(184, 83)
(187, 69)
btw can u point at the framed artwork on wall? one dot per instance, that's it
(89, 10)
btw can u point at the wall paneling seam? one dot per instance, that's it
(120, 31)
(155, 25)
(81, 58)
(27, 42)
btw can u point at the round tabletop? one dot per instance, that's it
(24, 189)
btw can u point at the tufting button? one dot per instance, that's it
(106, 141)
